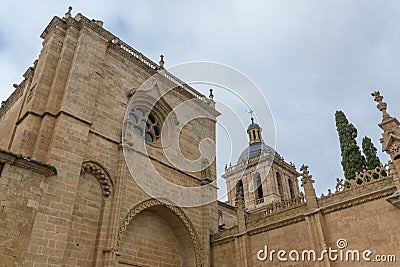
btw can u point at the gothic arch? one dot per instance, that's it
(101, 175)
(176, 211)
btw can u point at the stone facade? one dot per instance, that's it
(69, 112)
(82, 207)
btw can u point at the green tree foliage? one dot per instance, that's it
(352, 160)
(369, 151)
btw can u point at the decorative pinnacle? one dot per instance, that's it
(304, 169)
(162, 62)
(307, 178)
(211, 96)
(68, 14)
(382, 106)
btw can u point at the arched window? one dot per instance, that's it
(279, 183)
(258, 185)
(240, 189)
(291, 189)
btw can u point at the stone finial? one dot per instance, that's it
(304, 171)
(382, 106)
(339, 185)
(162, 62)
(306, 176)
(68, 14)
(211, 96)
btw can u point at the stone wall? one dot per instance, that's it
(359, 216)
(21, 187)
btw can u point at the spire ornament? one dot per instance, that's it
(304, 171)
(211, 96)
(68, 14)
(162, 62)
(382, 106)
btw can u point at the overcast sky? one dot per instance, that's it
(309, 58)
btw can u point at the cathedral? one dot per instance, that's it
(89, 175)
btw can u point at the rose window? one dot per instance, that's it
(145, 124)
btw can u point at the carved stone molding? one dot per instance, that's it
(175, 210)
(347, 203)
(101, 175)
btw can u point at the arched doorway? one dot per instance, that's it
(158, 234)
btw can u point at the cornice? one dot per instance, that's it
(277, 224)
(27, 163)
(357, 200)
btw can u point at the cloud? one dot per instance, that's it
(310, 58)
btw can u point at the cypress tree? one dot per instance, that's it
(369, 151)
(352, 160)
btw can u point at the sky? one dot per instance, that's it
(309, 58)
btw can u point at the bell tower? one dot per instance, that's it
(261, 176)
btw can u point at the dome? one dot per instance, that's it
(255, 150)
(253, 125)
